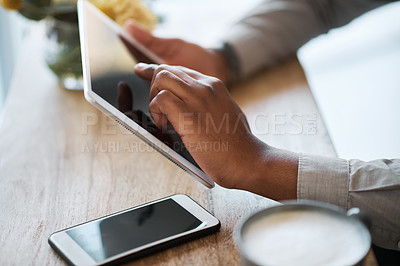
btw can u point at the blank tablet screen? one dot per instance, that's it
(111, 61)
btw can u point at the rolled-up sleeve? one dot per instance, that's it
(372, 186)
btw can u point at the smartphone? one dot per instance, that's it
(135, 232)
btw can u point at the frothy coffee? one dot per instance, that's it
(304, 237)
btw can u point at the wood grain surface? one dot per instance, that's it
(62, 162)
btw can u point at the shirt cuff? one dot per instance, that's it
(323, 179)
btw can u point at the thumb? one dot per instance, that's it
(160, 46)
(138, 32)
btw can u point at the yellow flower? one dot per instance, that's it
(11, 4)
(122, 10)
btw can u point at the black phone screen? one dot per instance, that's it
(112, 235)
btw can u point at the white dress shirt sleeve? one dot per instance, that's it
(275, 29)
(372, 186)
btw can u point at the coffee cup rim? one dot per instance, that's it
(295, 205)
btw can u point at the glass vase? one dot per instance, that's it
(62, 51)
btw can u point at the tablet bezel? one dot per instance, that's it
(113, 112)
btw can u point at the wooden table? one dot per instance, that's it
(62, 162)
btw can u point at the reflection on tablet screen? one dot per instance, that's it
(112, 60)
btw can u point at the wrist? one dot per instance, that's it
(273, 174)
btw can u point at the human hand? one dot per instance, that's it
(216, 133)
(164, 133)
(211, 125)
(182, 53)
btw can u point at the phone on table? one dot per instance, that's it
(135, 232)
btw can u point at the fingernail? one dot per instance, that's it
(141, 66)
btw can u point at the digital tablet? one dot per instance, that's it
(109, 55)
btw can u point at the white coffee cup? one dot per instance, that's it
(303, 233)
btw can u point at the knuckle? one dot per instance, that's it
(181, 68)
(153, 106)
(163, 74)
(208, 90)
(162, 67)
(160, 97)
(216, 83)
(154, 91)
(163, 94)
(163, 97)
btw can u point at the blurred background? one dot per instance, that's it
(354, 75)
(202, 22)
(11, 33)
